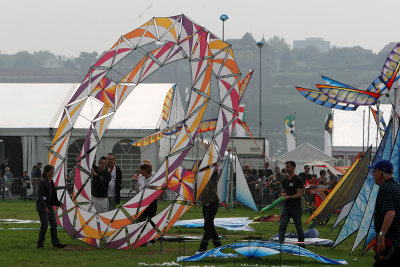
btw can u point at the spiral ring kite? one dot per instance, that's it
(158, 42)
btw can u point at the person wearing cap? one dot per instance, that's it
(386, 214)
(114, 187)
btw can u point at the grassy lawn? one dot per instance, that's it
(18, 247)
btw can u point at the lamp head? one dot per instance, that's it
(224, 17)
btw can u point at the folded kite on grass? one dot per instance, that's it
(261, 249)
(232, 224)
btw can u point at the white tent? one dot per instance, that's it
(305, 153)
(348, 126)
(39, 105)
(31, 111)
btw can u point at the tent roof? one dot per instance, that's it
(39, 105)
(305, 153)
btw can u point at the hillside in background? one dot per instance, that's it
(282, 69)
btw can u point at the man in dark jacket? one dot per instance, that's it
(210, 201)
(386, 215)
(3, 166)
(47, 199)
(114, 187)
(101, 179)
(306, 175)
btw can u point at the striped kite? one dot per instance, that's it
(156, 43)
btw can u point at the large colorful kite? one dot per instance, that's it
(158, 42)
(345, 97)
(357, 211)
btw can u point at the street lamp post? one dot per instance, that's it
(223, 17)
(260, 45)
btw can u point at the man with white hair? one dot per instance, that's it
(386, 215)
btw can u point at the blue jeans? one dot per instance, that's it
(286, 214)
(45, 219)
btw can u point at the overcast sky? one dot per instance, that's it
(69, 27)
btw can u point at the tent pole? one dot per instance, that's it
(377, 127)
(369, 117)
(363, 130)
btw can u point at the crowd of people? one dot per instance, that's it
(266, 184)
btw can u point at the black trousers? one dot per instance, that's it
(209, 212)
(45, 219)
(149, 213)
(391, 261)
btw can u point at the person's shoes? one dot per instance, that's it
(40, 246)
(59, 245)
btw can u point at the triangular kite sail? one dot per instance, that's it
(345, 191)
(355, 214)
(243, 193)
(223, 181)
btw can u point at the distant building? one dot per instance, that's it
(244, 47)
(320, 43)
(52, 63)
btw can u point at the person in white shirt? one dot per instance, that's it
(114, 187)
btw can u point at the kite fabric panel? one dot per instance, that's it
(394, 158)
(356, 213)
(349, 95)
(380, 122)
(345, 191)
(223, 181)
(319, 98)
(262, 249)
(243, 85)
(243, 193)
(390, 71)
(156, 43)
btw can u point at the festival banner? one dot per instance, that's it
(290, 132)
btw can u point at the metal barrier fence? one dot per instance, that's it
(17, 188)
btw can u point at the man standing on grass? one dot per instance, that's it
(114, 187)
(210, 201)
(386, 215)
(292, 189)
(100, 182)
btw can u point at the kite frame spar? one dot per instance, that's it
(160, 41)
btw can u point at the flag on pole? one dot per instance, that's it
(328, 134)
(290, 132)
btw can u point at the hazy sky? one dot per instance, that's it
(69, 27)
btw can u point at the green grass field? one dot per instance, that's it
(18, 247)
